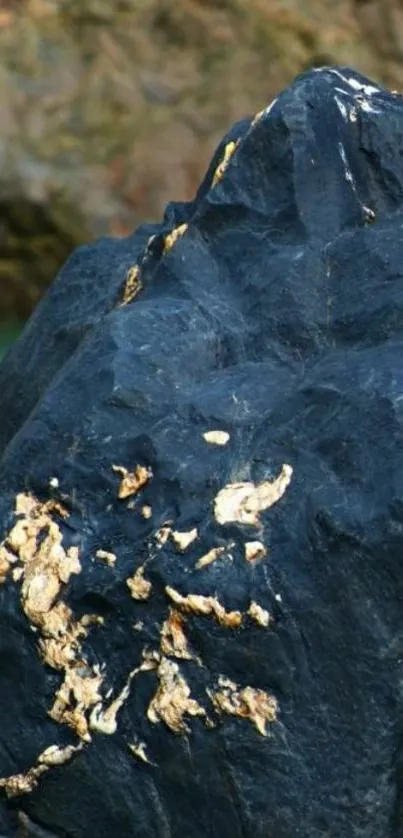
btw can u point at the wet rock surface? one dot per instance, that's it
(201, 501)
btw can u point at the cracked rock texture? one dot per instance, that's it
(201, 501)
(109, 109)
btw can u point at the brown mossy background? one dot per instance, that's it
(111, 108)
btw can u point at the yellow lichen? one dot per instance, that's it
(132, 481)
(205, 606)
(173, 237)
(105, 556)
(162, 535)
(210, 557)
(104, 720)
(223, 165)
(18, 784)
(172, 701)
(133, 285)
(7, 559)
(254, 551)
(173, 639)
(79, 692)
(183, 540)
(259, 614)
(140, 588)
(248, 703)
(242, 502)
(47, 566)
(216, 437)
(54, 755)
(146, 511)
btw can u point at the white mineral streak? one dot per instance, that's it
(342, 108)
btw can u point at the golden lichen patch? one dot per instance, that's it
(104, 720)
(23, 783)
(210, 557)
(47, 566)
(223, 165)
(254, 550)
(207, 606)
(132, 481)
(162, 535)
(242, 502)
(146, 511)
(174, 642)
(133, 285)
(140, 588)
(172, 701)
(216, 437)
(183, 540)
(248, 703)
(7, 559)
(259, 614)
(78, 693)
(105, 556)
(173, 237)
(53, 756)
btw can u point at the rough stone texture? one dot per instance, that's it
(243, 680)
(109, 109)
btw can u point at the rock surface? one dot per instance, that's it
(110, 109)
(201, 495)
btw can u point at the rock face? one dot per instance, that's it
(109, 109)
(201, 495)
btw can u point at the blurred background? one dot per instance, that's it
(111, 108)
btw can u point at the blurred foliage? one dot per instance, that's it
(111, 108)
(8, 333)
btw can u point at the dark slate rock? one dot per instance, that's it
(276, 318)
